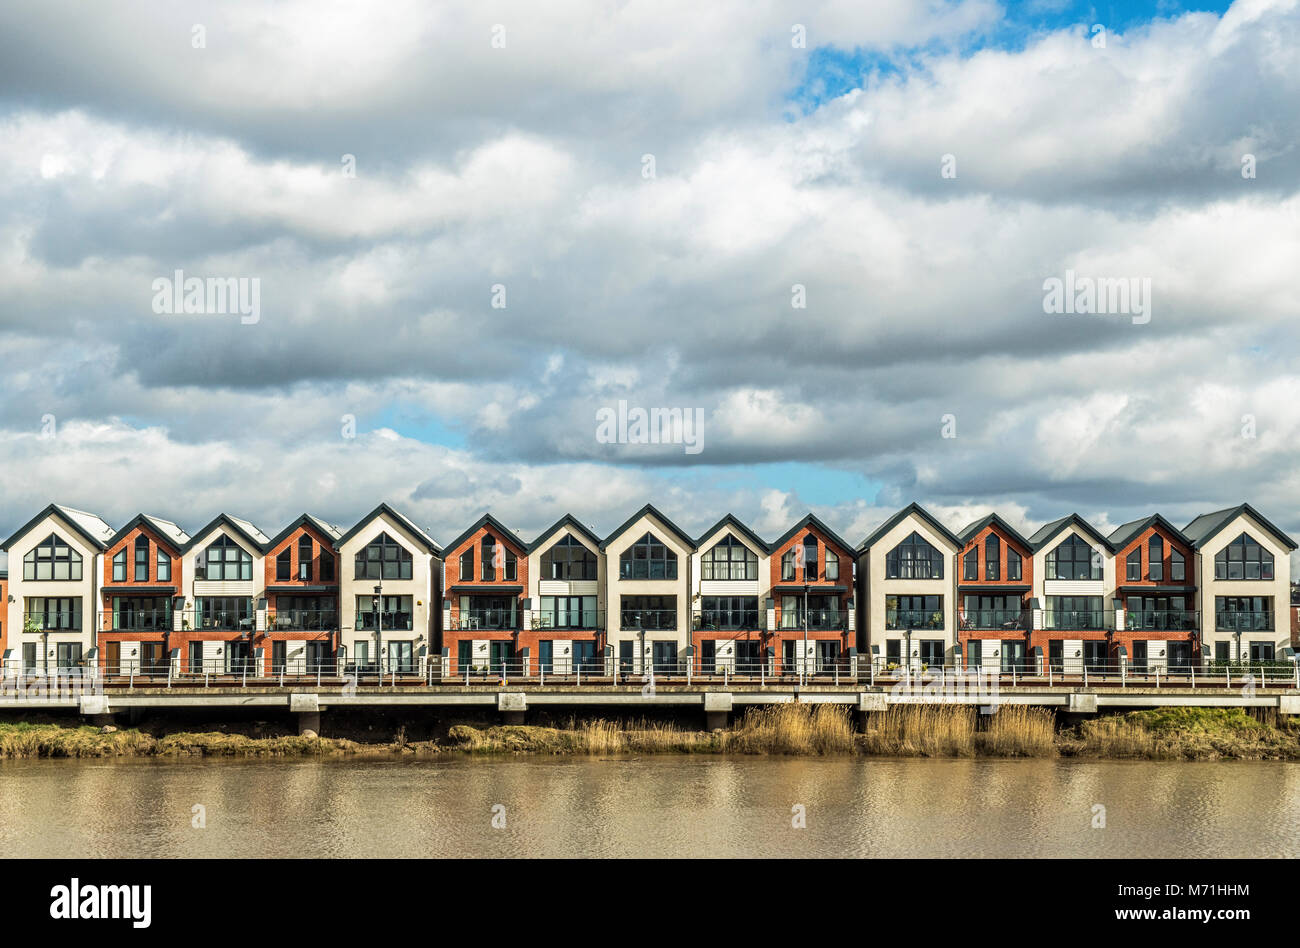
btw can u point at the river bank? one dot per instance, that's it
(801, 730)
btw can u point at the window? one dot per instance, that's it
(142, 612)
(306, 553)
(970, 564)
(496, 554)
(305, 613)
(326, 566)
(467, 566)
(787, 566)
(488, 612)
(142, 559)
(832, 565)
(914, 558)
(52, 560)
(1074, 612)
(1073, 558)
(385, 558)
(511, 566)
(1243, 558)
(648, 612)
(648, 558)
(59, 613)
(164, 566)
(225, 561)
(1013, 564)
(283, 566)
(992, 557)
(729, 612)
(488, 559)
(224, 612)
(119, 566)
(993, 612)
(567, 612)
(823, 613)
(1243, 613)
(396, 612)
(568, 559)
(914, 612)
(1156, 559)
(1133, 566)
(810, 558)
(1177, 567)
(729, 560)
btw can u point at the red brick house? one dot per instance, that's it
(1155, 583)
(483, 607)
(995, 583)
(302, 591)
(141, 597)
(812, 583)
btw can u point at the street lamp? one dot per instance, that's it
(376, 603)
(803, 666)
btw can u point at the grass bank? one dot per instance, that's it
(786, 729)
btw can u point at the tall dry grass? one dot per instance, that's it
(950, 730)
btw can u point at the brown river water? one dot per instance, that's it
(651, 806)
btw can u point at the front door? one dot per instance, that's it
(584, 657)
(625, 653)
(1180, 654)
(237, 657)
(748, 658)
(1013, 656)
(318, 657)
(665, 657)
(1140, 657)
(545, 651)
(502, 656)
(112, 657)
(278, 656)
(974, 653)
(401, 657)
(68, 655)
(932, 653)
(828, 655)
(1094, 656)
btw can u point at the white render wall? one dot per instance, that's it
(678, 588)
(1279, 587)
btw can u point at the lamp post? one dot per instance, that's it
(376, 603)
(803, 666)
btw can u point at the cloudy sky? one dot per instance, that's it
(647, 182)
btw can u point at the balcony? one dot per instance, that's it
(995, 619)
(387, 621)
(60, 621)
(303, 620)
(1073, 620)
(577, 620)
(898, 619)
(1163, 621)
(651, 620)
(498, 620)
(733, 620)
(136, 620)
(219, 620)
(819, 620)
(1244, 621)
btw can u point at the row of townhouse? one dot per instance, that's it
(384, 595)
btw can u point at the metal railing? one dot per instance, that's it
(729, 620)
(583, 620)
(395, 621)
(1080, 620)
(653, 620)
(302, 620)
(135, 620)
(994, 619)
(913, 619)
(1163, 620)
(1244, 621)
(495, 619)
(819, 620)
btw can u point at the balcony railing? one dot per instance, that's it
(1163, 620)
(302, 620)
(733, 620)
(819, 620)
(136, 620)
(219, 620)
(1244, 621)
(655, 620)
(582, 620)
(1078, 620)
(490, 619)
(913, 619)
(61, 621)
(995, 619)
(396, 621)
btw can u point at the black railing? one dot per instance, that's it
(654, 620)
(728, 620)
(1244, 621)
(1162, 620)
(396, 621)
(490, 619)
(995, 619)
(819, 620)
(1079, 620)
(303, 620)
(896, 619)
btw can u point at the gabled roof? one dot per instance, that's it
(568, 520)
(1122, 535)
(735, 524)
(896, 519)
(401, 518)
(1201, 530)
(810, 520)
(89, 526)
(327, 529)
(173, 535)
(1049, 531)
(487, 520)
(972, 529)
(251, 535)
(649, 509)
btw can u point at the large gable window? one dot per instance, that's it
(1073, 558)
(225, 561)
(914, 558)
(648, 558)
(53, 559)
(1243, 558)
(384, 558)
(729, 560)
(568, 559)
